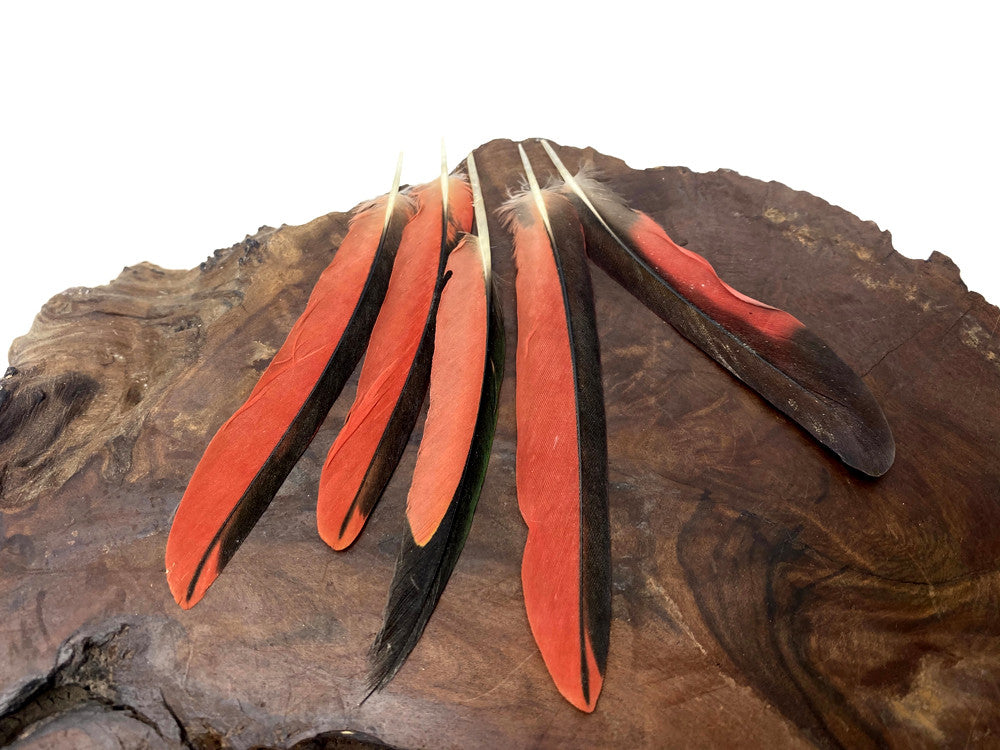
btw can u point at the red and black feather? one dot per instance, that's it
(561, 462)
(466, 375)
(768, 349)
(250, 456)
(394, 375)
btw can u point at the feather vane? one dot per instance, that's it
(561, 461)
(768, 349)
(252, 453)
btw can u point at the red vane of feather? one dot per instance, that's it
(253, 452)
(394, 375)
(561, 467)
(768, 349)
(460, 348)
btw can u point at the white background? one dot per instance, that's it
(134, 131)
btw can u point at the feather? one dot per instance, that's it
(394, 375)
(561, 462)
(768, 349)
(466, 374)
(253, 452)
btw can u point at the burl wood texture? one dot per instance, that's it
(764, 595)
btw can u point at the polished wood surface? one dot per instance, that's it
(764, 595)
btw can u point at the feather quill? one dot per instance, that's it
(561, 462)
(252, 453)
(466, 374)
(768, 349)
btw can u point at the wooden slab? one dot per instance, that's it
(764, 595)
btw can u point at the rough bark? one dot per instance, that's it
(764, 595)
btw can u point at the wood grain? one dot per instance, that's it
(764, 595)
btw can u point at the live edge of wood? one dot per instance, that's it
(764, 595)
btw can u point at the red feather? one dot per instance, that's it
(394, 375)
(561, 469)
(252, 453)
